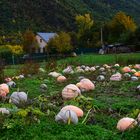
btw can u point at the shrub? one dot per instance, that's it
(30, 67)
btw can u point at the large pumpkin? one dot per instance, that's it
(85, 85)
(70, 91)
(126, 123)
(66, 116)
(126, 69)
(18, 98)
(116, 77)
(77, 110)
(4, 89)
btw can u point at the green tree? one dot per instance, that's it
(61, 43)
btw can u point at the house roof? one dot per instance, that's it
(46, 36)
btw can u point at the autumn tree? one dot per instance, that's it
(120, 27)
(86, 33)
(29, 41)
(84, 23)
(61, 43)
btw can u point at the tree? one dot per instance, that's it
(84, 23)
(119, 28)
(29, 41)
(61, 43)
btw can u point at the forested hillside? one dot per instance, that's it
(55, 15)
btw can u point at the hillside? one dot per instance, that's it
(50, 15)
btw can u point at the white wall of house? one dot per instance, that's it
(41, 44)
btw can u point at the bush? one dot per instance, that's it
(30, 67)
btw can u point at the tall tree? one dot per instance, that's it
(119, 28)
(29, 41)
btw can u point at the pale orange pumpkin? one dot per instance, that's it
(70, 91)
(137, 74)
(77, 110)
(61, 79)
(126, 123)
(137, 66)
(126, 69)
(4, 89)
(85, 85)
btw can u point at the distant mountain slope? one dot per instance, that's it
(50, 15)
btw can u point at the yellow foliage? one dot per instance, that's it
(84, 22)
(122, 20)
(16, 49)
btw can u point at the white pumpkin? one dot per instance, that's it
(68, 70)
(11, 84)
(134, 78)
(66, 116)
(100, 78)
(4, 111)
(18, 98)
(54, 74)
(70, 91)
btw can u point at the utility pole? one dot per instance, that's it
(102, 37)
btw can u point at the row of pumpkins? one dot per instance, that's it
(70, 113)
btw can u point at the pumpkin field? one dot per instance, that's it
(88, 97)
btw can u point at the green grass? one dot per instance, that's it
(93, 59)
(111, 100)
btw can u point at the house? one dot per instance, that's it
(42, 40)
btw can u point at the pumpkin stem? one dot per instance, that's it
(69, 119)
(86, 117)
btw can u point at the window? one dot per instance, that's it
(40, 40)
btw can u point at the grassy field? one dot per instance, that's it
(110, 101)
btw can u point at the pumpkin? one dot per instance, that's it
(77, 110)
(54, 74)
(126, 69)
(126, 123)
(43, 87)
(7, 80)
(4, 111)
(134, 78)
(137, 74)
(133, 71)
(61, 79)
(11, 84)
(127, 75)
(21, 76)
(100, 78)
(102, 69)
(116, 77)
(4, 89)
(92, 69)
(67, 116)
(85, 85)
(116, 65)
(68, 70)
(137, 66)
(70, 91)
(18, 98)
(138, 118)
